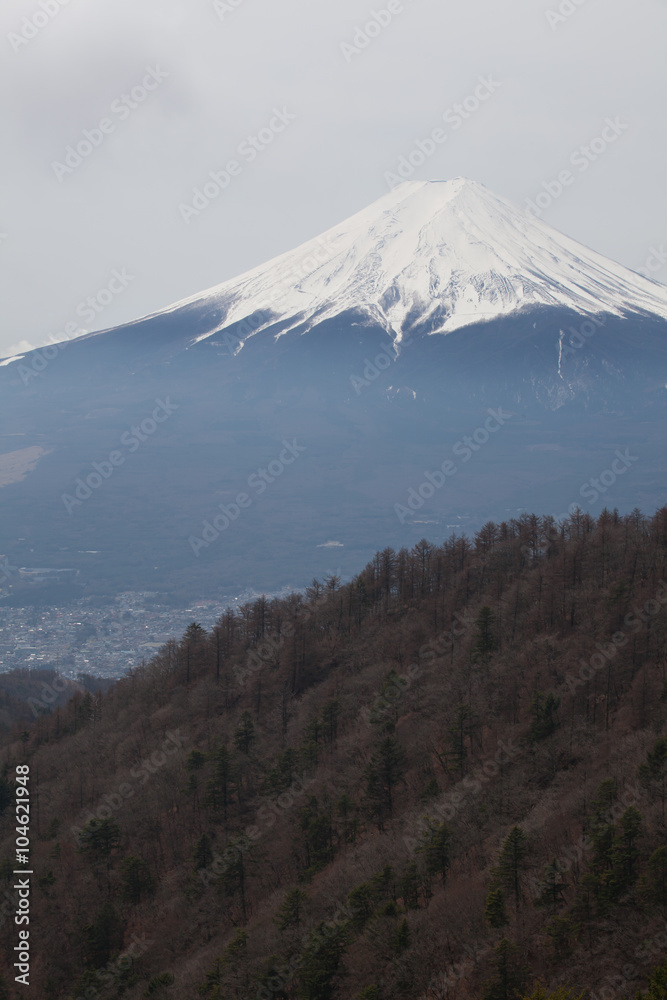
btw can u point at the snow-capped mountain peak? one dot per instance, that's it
(439, 255)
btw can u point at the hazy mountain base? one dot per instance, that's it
(369, 436)
(247, 816)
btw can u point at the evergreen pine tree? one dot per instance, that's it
(346, 809)
(192, 642)
(291, 910)
(624, 855)
(245, 734)
(318, 835)
(321, 962)
(563, 933)
(434, 849)
(195, 760)
(494, 911)
(98, 840)
(368, 993)
(240, 859)
(552, 888)
(402, 937)
(408, 886)
(510, 978)
(657, 985)
(654, 882)
(509, 868)
(361, 901)
(103, 937)
(602, 837)
(203, 854)
(385, 770)
(330, 721)
(137, 879)
(486, 634)
(544, 710)
(459, 732)
(220, 786)
(653, 774)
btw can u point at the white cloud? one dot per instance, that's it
(12, 350)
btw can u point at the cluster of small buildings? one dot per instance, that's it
(95, 638)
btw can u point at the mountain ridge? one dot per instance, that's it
(433, 255)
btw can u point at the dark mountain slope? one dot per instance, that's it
(248, 812)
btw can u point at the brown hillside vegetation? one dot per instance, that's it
(24, 694)
(445, 779)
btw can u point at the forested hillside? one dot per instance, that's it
(444, 779)
(25, 694)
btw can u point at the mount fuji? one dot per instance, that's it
(376, 350)
(434, 256)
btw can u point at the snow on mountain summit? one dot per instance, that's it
(437, 254)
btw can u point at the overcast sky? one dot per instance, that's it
(220, 71)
